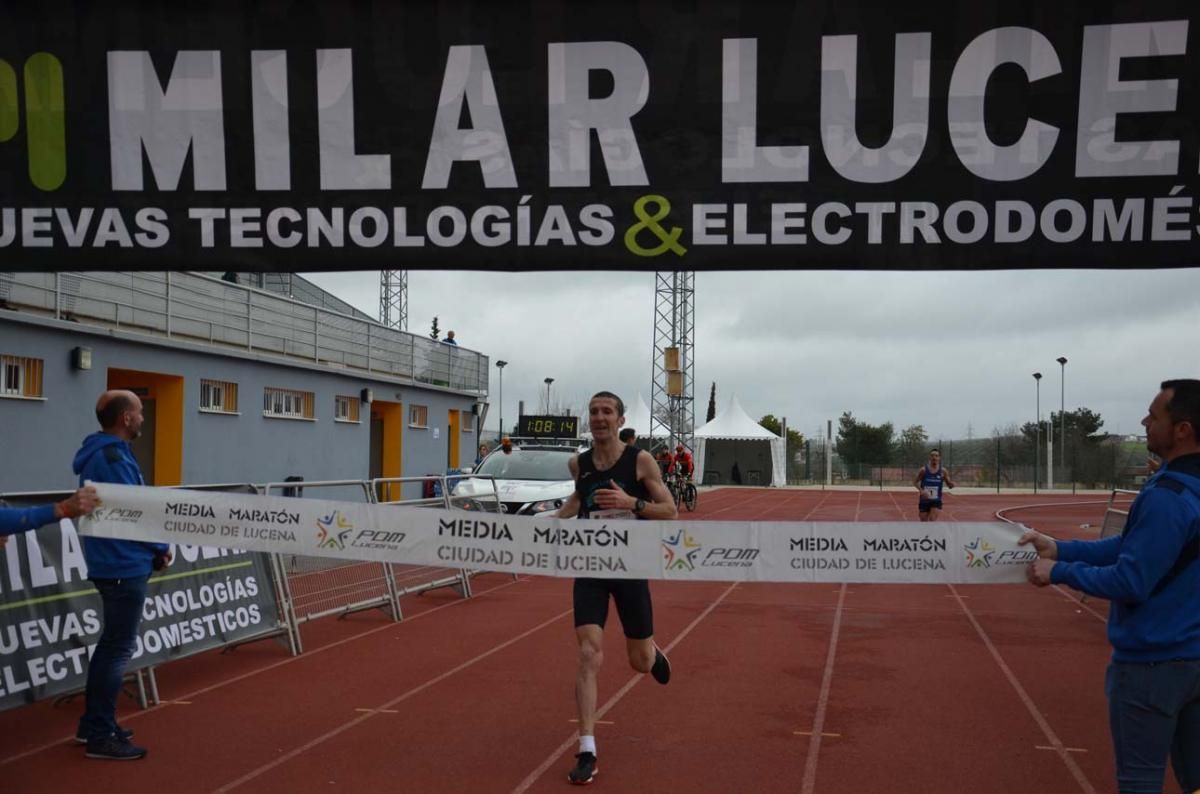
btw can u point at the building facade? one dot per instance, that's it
(239, 385)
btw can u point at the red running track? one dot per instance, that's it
(796, 688)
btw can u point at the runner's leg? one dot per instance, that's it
(591, 657)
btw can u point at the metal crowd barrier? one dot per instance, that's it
(317, 587)
(486, 503)
(416, 579)
(307, 588)
(1114, 517)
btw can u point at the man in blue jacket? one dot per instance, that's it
(14, 520)
(120, 570)
(1151, 575)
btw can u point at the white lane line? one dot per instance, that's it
(1047, 731)
(552, 759)
(265, 668)
(345, 726)
(818, 727)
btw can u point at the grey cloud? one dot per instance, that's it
(945, 350)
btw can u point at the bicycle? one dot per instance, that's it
(683, 491)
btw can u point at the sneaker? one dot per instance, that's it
(114, 748)
(585, 769)
(662, 667)
(124, 733)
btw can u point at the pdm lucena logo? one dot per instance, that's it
(680, 551)
(332, 531)
(981, 554)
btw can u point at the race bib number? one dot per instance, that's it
(929, 493)
(613, 515)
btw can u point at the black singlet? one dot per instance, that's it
(623, 474)
(631, 596)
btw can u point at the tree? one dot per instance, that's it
(859, 442)
(912, 444)
(1083, 427)
(1012, 446)
(712, 403)
(795, 441)
(434, 332)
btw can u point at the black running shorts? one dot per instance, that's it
(923, 506)
(632, 597)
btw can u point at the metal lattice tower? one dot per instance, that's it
(393, 299)
(674, 320)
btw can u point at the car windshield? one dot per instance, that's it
(527, 464)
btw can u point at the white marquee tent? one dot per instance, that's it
(733, 438)
(637, 416)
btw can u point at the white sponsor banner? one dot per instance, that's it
(763, 551)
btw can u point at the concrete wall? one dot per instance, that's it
(38, 438)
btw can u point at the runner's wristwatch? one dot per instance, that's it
(639, 506)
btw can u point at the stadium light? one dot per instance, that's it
(1037, 432)
(500, 365)
(1062, 415)
(548, 381)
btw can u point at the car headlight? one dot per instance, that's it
(543, 506)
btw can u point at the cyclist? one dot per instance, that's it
(665, 462)
(684, 464)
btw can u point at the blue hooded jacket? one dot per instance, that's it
(1150, 572)
(106, 458)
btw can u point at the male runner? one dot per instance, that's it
(612, 481)
(929, 481)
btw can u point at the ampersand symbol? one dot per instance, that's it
(650, 221)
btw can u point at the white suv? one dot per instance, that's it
(531, 479)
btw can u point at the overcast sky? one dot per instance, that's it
(954, 352)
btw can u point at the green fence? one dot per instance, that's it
(1000, 463)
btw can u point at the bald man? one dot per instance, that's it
(120, 570)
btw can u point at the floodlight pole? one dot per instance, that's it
(1037, 432)
(1062, 416)
(500, 365)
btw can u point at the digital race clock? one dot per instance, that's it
(548, 426)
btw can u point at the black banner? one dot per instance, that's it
(563, 135)
(51, 615)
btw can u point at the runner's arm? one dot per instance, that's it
(949, 480)
(570, 508)
(917, 479)
(660, 506)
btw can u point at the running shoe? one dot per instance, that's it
(662, 666)
(114, 748)
(585, 769)
(124, 733)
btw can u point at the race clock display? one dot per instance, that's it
(548, 426)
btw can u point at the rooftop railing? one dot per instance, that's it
(197, 308)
